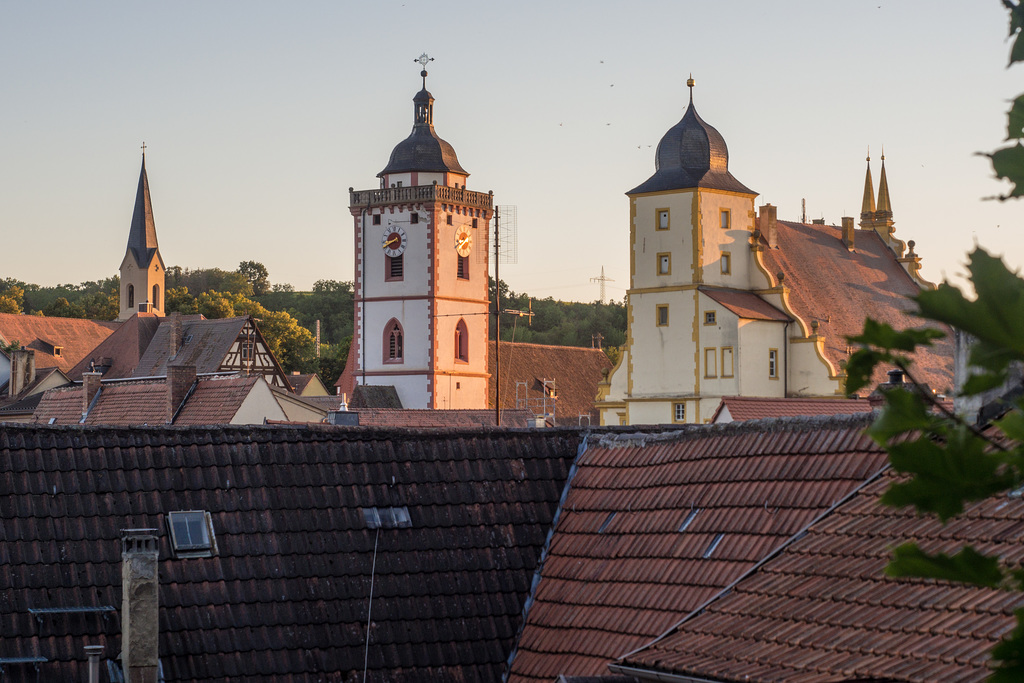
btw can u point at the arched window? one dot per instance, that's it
(394, 342)
(461, 341)
(156, 296)
(131, 296)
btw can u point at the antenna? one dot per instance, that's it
(505, 229)
(602, 280)
(508, 235)
(803, 211)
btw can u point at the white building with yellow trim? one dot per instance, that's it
(712, 309)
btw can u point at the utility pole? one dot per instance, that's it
(602, 280)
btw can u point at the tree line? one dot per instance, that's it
(288, 318)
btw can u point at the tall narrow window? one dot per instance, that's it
(449, 219)
(394, 267)
(725, 219)
(393, 342)
(376, 219)
(727, 361)
(662, 219)
(461, 342)
(773, 363)
(665, 264)
(414, 217)
(156, 296)
(661, 317)
(710, 363)
(679, 412)
(131, 296)
(726, 263)
(463, 273)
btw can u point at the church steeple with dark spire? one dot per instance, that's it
(142, 269)
(867, 208)
(884, 205)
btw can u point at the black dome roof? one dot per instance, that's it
(423, 150)
(691, 154)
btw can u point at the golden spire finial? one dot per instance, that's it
(883, 155)
(869, 153)
(689, 84)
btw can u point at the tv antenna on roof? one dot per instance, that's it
(505, 228)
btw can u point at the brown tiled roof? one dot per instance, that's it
(655, 525)
(839, 288)
(216, 400)
(208, 342)
(286, 597)
(576, 371)
(373, 396)
(298, 382)
(433, 419)
(823, 610)
(123, 348)
(346, 382)
(744, 304)
(753, 408)
(75, 336)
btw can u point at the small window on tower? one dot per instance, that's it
(726, 263)
(393, 342)
(474, 223)
(131, 296)
(462, 342)
(395, 267)
(376, 219)
(463, 273)
(709, 317)
(414, 217)
(449, 219)
(679, 412)
(725, 219)
(773, 363)
(664, 264)
(663, 223)
(662, 315)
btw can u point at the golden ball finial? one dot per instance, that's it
(690, 82)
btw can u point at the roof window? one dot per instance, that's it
(387, 518)
(192, 533)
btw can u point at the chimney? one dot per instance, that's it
(767, 223)
(848, 232)
(175, 335)
(23, 370)
(139, 605)
(94, 652)
(180, 379)
(90, 387)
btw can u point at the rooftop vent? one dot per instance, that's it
(387, 518)
(712, 546)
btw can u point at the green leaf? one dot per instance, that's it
(945, 475)
(1015, 119)
(904, 412)
(982, 382)
(1012, 425)
(1008, 163)
(967, 566)
(883, 336)
(1009, 655)
(860, 367)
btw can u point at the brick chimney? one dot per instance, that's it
(175, 335)
(180, 379)
(848, 232)
(767, 223)
(23, 370)
(139, 605)
(90, 387)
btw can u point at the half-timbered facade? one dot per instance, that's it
(421, 243)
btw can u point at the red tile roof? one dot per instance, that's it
(286, 596)
(75, 336)
(839, 288)
(752, 408)
(434, 419)
(204, 343)
(822, 610)
(744, 304)
(122, 349)
(656, 524)
(575, 370)
(216, 400)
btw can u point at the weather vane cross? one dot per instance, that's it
(423, 60)
(143, 148)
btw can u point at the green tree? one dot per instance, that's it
(62, 308)
(257, 276)
(947, 461)
(215, 305)
(178, 300)
(9, 304)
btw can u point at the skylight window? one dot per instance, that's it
(191, 533)
(387, 518)
(689, 520)
(607, 521)
(711, 546)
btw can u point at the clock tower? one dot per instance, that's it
(421, 273)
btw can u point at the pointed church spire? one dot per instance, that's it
(868, 205)
(884, 205)
(142, 235)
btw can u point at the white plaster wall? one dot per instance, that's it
(735, 240)
(259, 405)
(412, 389)
(650, 412)
(414, 318)
(417, 258)
(809, 375)
(649, 242)
(724, 333)
(662, 358)
(756, 337)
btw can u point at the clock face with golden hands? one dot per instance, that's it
(393, 241)
(463, 241)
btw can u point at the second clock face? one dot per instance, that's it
(463, 241)
(393, 241)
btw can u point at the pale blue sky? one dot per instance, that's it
(259, 116)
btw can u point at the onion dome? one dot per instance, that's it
(691, 154)
(423, 150)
